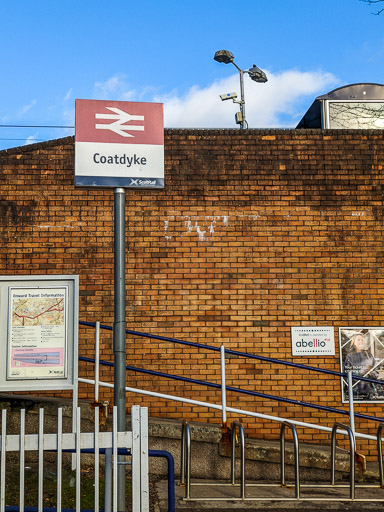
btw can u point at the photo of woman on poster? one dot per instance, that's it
(360, 349)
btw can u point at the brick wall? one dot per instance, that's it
(256, 231)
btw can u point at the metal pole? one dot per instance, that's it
(97, 361)
(108, 451)
(350, 396)
(223, 386)
(119, 332)
(380, 453)
(108, 480)
(242, 104)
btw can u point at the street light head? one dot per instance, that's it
(224, 56)
(257, 75)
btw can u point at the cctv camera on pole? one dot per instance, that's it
(256, 74)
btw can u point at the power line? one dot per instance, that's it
(33, 126)
(25, 138)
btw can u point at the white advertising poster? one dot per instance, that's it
(362, 353)
(313, 341)
(37, 333)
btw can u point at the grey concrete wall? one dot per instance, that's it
(210, 448)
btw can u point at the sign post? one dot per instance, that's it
(119, 351)
(119, 145)
(119, 310)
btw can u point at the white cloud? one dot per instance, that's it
(115, 88)
(67, 97)
(118, 89)
(280, 102)
(31, 139)
(28, 107)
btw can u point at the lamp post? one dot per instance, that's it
(255, 74)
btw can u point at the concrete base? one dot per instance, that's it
(211, 455)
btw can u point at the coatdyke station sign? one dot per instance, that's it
(119, 144)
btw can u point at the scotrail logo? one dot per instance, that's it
(139, 182)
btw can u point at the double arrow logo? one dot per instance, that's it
(120, 118)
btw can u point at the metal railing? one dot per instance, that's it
(185, 459)
(291, 424)
(186, 454)
(380, 453)
(224, 388)
(186, 478)
(236, 425)
(336, 428)
(284, 426)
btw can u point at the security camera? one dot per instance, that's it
(228, 96)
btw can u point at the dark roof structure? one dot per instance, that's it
(358, 92)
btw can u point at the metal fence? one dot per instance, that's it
(133, 444)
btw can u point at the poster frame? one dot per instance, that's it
(69, 379)
(345, 339)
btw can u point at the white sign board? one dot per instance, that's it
(313, 341)
(38, 332)
(119, 144)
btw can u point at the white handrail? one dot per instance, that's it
(230, 409)
(223, 407)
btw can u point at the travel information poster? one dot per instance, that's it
(37, 333)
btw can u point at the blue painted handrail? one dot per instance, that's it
(230, 388)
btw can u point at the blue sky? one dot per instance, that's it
(56, 51)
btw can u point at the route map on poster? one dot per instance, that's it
(37, 333)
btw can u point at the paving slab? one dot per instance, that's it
(260, 496)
